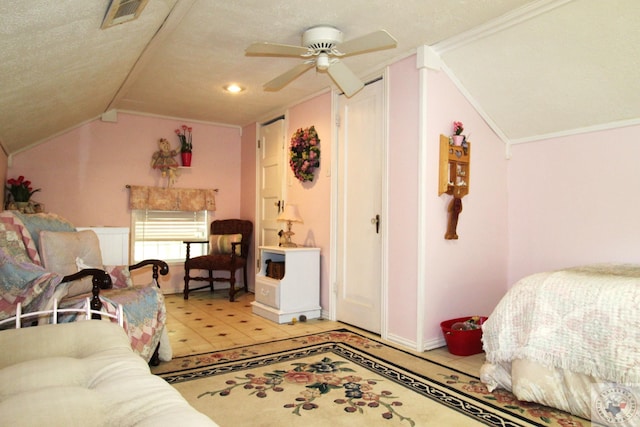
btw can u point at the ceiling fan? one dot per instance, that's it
(322, 46)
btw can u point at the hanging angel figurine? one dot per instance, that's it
(164, 160)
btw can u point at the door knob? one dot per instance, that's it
(376, 220)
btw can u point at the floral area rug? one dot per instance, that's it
(342, 378)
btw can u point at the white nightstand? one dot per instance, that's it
(297, 293)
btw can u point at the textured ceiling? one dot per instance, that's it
(576, 66)
(533, 68)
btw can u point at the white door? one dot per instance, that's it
(271, 181)
(359, 232)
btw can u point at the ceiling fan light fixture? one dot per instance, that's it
(322, 46)
(233, 88)
(322, 37)
(322, 63)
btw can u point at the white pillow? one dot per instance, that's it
(221, 243)
(59, 250)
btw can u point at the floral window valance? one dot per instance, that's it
(171, 199)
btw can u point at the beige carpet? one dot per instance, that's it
(341, 378)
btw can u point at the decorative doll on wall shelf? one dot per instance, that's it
(164, 160)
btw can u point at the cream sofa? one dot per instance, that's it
(84, 373)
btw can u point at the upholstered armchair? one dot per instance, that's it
(229, 242)
(49, 259)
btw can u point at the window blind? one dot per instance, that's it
(159, 234)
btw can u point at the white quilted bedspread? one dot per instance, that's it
(584, 319)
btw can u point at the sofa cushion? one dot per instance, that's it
(59, 250)
(51, 406)
(221, 243)
(35, 223)
(84, 373)
(55, 368)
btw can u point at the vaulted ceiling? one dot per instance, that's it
(533, 68)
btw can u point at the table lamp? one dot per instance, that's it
(289, 215)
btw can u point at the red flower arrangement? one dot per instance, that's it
(20, 189)
(185, 139)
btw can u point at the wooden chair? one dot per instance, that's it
(227, 262)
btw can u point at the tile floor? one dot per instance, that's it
(208, 321)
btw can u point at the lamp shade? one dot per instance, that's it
(290, 213)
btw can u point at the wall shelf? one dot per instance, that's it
(454, 168)
(455, 174)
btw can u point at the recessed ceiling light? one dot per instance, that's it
(233, 88)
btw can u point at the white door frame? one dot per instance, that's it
(258, 181)
(384, 224)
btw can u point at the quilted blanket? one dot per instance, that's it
(26, 283)
(583, 319)
(144, 314)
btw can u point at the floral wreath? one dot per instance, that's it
(305, 153)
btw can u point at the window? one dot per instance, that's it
(159, 234)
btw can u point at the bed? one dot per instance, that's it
(570, 339)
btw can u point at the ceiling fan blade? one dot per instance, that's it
(348, 82)
(275, 49)
(377, 40)
(283, 79)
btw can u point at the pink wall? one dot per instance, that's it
(314, 198)
(83, 173)
(248, 189)
(573, 200)
(463, 277)
(467, 276)
(248, 172)
(403, 199)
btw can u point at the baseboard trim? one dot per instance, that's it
(402, 341)
(433, 343)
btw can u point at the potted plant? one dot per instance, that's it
(457, 137)
(186, 146)
(20, 191)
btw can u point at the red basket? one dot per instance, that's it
(462, 343)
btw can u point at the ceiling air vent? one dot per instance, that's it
(121, 11)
